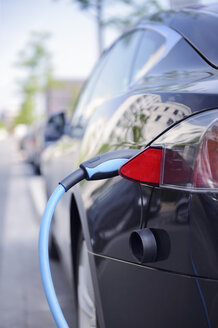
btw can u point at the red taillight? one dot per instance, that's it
(184, 158)
(176, 169)
(206, 167)
(145, 167)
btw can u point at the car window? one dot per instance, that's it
(182, 58)
(88, 89)
(149, 52)
(114, 75)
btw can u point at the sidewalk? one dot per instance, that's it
(22, 300)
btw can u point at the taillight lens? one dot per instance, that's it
(206, 167)
(185, 157)
(144, 167)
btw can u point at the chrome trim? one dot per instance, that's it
(166, 31)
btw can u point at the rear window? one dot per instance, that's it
(149, 52)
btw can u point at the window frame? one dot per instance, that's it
(172, 38)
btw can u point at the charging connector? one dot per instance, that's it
(101, 167)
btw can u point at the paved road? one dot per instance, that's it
(22, 301)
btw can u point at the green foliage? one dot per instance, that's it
(75, 96)
(2, 124)
(35, 61)
(26, 113)
(35, 53)
(137, 9)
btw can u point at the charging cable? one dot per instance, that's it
(101, 167)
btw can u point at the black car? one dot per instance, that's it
(142, 248)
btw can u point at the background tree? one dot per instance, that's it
(35, 61)
(136, 10)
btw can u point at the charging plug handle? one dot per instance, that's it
(106, 165)
(100, 167)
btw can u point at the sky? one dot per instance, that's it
(72, 44)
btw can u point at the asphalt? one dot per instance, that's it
(22, 300)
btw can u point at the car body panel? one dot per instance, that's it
(192, 23)
(110, 226)
(180, 83)
(141, 296)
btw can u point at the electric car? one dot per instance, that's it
(142, 248)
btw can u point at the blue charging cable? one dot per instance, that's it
(101, 167)
(44, 258)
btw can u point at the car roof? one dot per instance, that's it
(198, 25)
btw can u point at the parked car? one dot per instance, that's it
(156, 86)
(40, 135)
(28, 145)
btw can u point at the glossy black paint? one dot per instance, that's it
(180, 289)
(204, 229)
(191, 24)
(110, 228)
(154, 298)
(106, 228)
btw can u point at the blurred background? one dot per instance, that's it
(48, 49)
